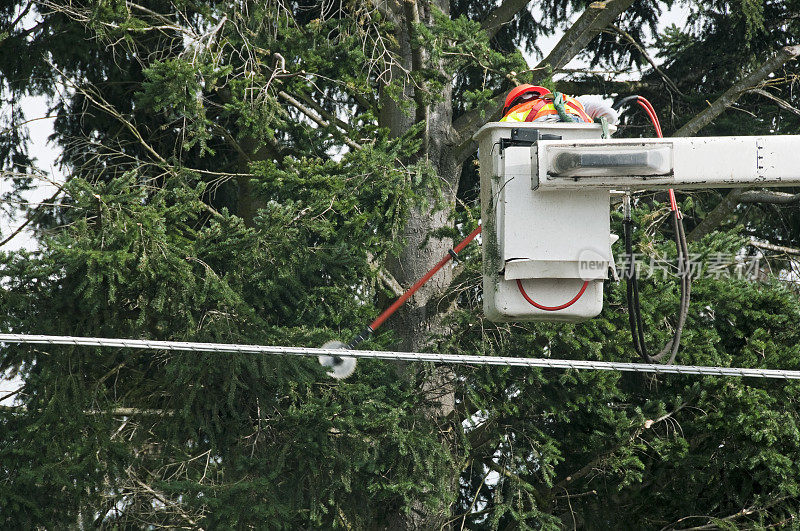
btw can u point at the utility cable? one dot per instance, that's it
(456, 359)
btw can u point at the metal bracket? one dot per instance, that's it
(525, 137)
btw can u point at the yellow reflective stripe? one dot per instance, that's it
(515, 116)
(577, 108)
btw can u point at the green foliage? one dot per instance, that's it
(245, 177)
(143, 266)
(175, 88)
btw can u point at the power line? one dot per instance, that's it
(400, 356)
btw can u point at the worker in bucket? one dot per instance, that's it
(531, 103)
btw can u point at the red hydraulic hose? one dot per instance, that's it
(552, 308)
(651, 112)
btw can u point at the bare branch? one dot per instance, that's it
(596, 17)
(37, 212)
(163, 19)
(717, 216)
(119, 411)
(783, 104)
(387, 8)
(597, 84)
(385, 277)
(740, 87)
(417, 64)
(769, 196)
(167, 502)
(502, 15)
(725, 209)
(727, 206)
(20, 16)
(776, 248)
(9, 395)
(96, 97)
(231, 141)
(579, 495)
(319, 120)
(330, 117)
(639, 48)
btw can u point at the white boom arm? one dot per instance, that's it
(682, 163)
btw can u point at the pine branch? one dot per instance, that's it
(740, 87)
(747, 511)
(510, 475)
(468, 123)
(603, 458)
(502, 15)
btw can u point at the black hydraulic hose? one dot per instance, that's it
(632, 293)
(686, 292)
(685, 278)
(629, 274)
(682, 249)
(617, 106)
(637, 311)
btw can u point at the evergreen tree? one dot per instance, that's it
(275, 173)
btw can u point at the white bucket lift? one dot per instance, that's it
(545, 204)
(545, 254)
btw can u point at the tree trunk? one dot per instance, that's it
(420, 319)
(446, 145)
(416, 322)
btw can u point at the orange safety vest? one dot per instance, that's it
(530, 111)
